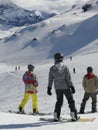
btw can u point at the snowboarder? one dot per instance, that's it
(31, 84)
(60, 75)
(90, 85)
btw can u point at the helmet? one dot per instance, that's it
(58, 57)
(30, 67)
(89, 69)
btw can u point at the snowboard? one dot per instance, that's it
(65, 120)
(88, 112)
(29, 113)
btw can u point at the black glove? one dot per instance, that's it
(49, 91)
(72, 89)
(97, 92)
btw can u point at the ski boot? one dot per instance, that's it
(74, 116)
(21, 111)
(56, 118)
(35, 112)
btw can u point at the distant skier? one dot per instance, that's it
(71, 58)
(60, 75)
(74, 70)
(16, 68)
(90, 85)
(31, 84)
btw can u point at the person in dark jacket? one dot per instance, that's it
(90, 85)
(60, 75)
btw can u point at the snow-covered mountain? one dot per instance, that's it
(11, 15)
(66, 32)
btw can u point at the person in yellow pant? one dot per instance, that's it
(31, 85)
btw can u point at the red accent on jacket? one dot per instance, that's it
(31, 92)
(90, 75)
(29, 78)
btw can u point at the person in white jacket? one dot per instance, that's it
(60, 75)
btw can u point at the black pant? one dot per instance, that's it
(85, 99)
(59, 102)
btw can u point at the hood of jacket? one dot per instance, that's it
(59, 65)
(90, 75)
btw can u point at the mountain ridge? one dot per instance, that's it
(66, 32)
(13, 15)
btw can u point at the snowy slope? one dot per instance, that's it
(66, 32)
(21, 122)
(12, 90)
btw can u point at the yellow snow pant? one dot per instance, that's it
(34, 101)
